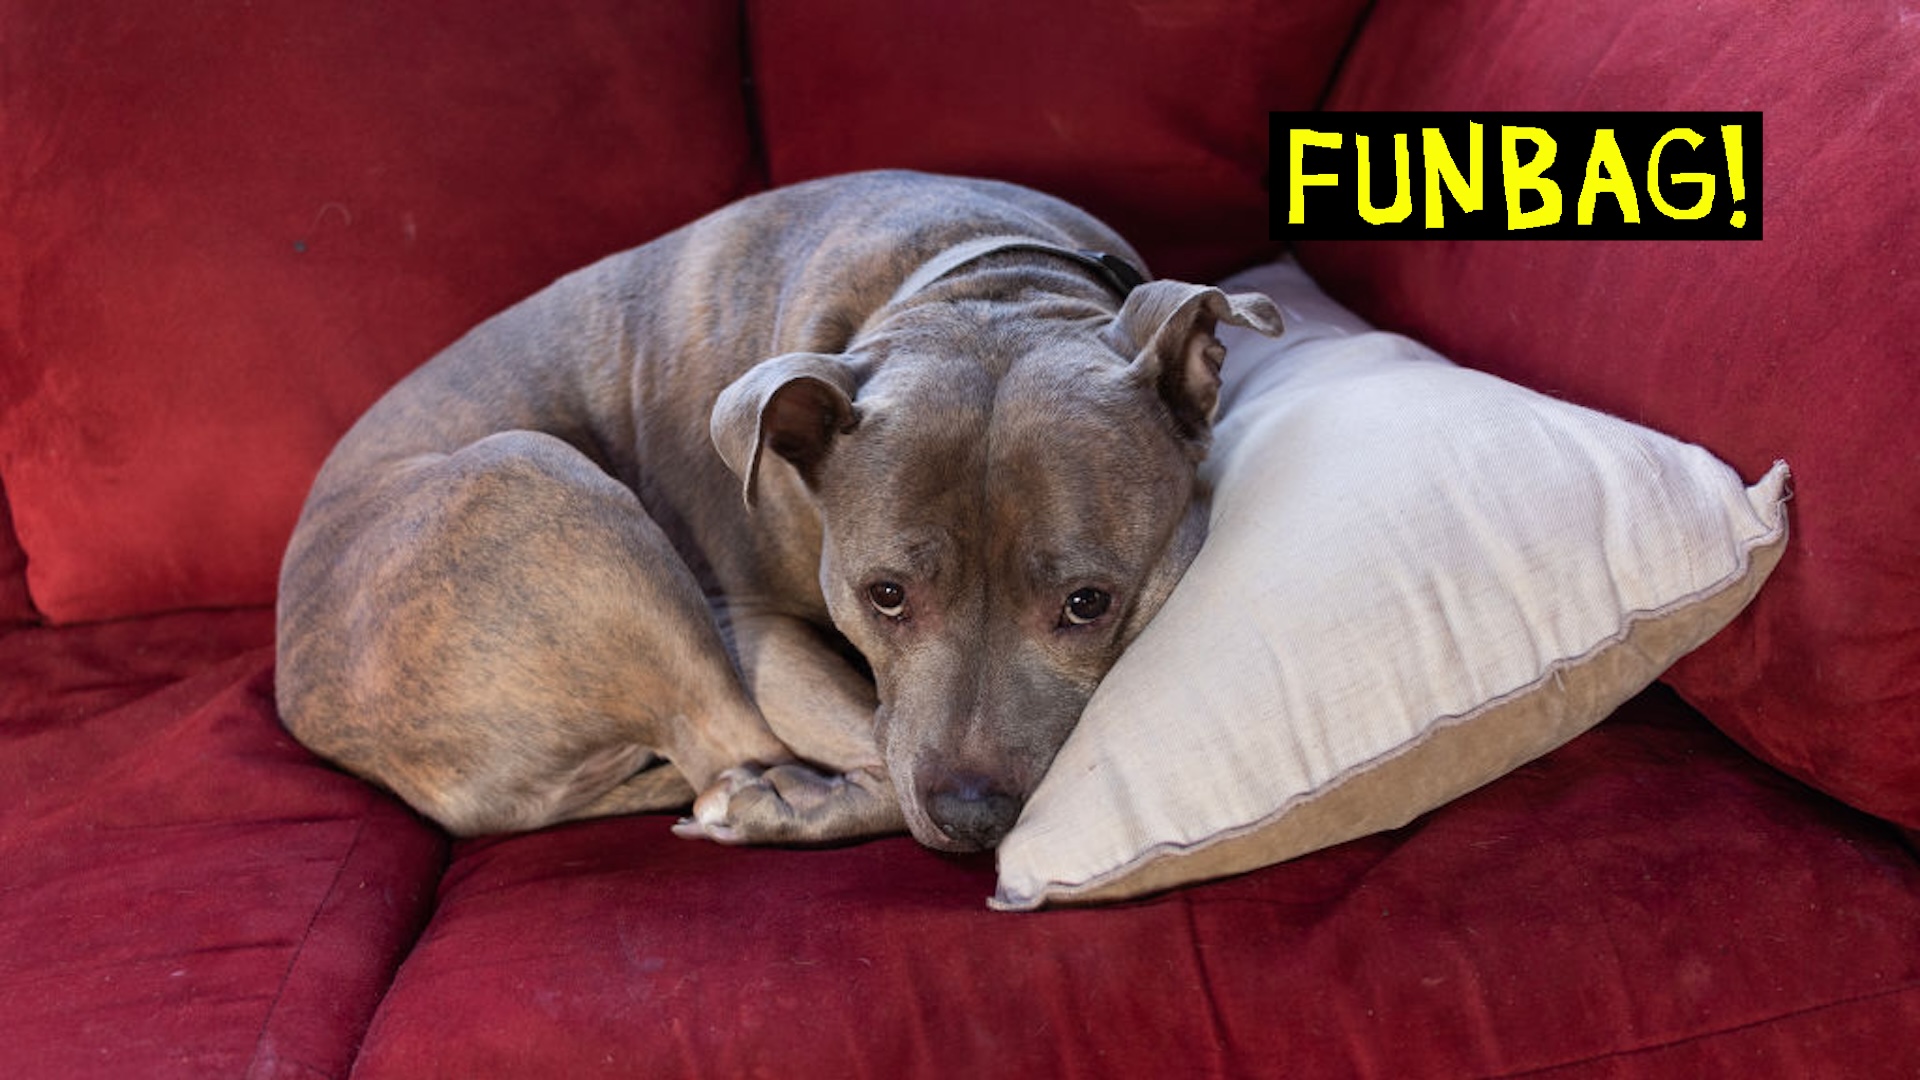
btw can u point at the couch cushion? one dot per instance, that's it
(187, 892)
(228, 227)
(1798, 346)
(1418, 577)
(1619, 905)
(1151, 115)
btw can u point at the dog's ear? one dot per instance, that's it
(1167, 328)
(794, 404)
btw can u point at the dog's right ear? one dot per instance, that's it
(1167, 327)
(794, 404)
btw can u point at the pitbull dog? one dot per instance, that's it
(830, 509)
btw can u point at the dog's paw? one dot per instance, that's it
(792, 804)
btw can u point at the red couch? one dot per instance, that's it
(225, 226)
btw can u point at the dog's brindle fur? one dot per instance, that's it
(609, 550)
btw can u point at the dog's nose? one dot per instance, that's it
(972, 812)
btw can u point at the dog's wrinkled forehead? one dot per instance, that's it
(971, 352)
(996, 388)
(997, 434)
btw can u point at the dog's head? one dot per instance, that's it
(1004, 502)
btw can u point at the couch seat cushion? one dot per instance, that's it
(1647, 898)
(187, 892)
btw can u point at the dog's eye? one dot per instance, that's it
(1085, 606)
(888, 598)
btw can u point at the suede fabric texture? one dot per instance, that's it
(187, 892)
(1799, 346)
(227, 227)
(1151, 115)
(190, 895)
(1596, 913)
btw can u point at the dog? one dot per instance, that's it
(824, 514)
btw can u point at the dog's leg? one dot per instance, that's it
(658, 787)
(512, 643)
(571, 649)
(808, 689)
(823, 708)
(794, 804)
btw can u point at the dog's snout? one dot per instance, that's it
(972, 812)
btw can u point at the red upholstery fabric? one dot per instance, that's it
(226, 227)
(1797, 347)
(187, 893)
(15, 604)
(1648, 901)
(1151, 115)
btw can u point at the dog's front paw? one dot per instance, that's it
(792, 804)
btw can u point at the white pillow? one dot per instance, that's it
(1418, 578)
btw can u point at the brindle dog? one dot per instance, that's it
(830, 509)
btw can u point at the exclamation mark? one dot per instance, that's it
(1736, 170)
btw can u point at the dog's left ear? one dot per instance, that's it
(795, 404)
(1167, 328)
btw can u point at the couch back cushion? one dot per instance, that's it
(1152, 115)
(15, 605)
(226, 228)
(1799, 346)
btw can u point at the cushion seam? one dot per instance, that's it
(306, 937)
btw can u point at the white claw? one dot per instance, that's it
(710, 810)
